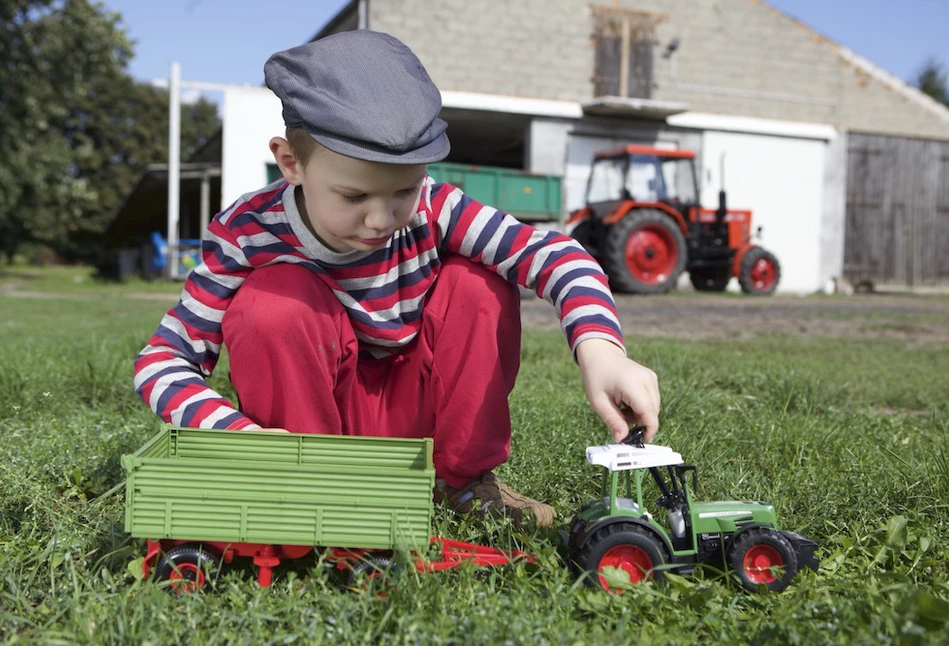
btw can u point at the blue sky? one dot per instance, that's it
(228, 41)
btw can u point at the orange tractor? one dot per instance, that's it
(644, 224)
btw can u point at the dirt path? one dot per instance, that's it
(704, 316)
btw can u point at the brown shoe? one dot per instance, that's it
(496, 500)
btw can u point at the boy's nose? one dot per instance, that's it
(381, 219)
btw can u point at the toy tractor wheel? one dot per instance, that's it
(760, 272)
(371, 568)
(710, 279)
(188, 569)
(622, 550)
(763, 560)
(644, 253)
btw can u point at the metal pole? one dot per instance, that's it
(205, 202)
(174, 166)
(624, 60)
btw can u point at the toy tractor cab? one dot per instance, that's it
(644, 224)
(617, 541)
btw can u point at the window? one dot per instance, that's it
(642, 181)
(624, 52)
(606, 180)
(679, 180)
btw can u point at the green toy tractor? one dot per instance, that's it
(616, 541)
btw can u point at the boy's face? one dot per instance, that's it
(351, 203)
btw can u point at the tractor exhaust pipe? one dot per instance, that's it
(722, 202)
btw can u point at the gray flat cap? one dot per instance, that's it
(362, 94)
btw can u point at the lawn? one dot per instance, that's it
(848, 438)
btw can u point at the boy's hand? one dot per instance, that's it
(622, 392)
(273, 430)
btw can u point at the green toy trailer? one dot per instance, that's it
(202, 497)
(616, 536)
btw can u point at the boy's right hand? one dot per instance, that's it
(622, 392)
(273, 430)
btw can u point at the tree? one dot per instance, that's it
(931, 79)
(75, 129)
(114, 146)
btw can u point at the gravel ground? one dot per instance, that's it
(687, 315)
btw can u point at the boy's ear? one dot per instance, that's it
(291, 169)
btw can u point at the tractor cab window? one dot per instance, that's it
(678, 178)
(643, 181)
(606, 180)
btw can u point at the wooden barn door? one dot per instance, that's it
(897, 211)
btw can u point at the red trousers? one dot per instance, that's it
(295, 365)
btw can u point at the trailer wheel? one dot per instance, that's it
(644, 253)
(188, 569)
(370, 568)
(760, 272)
(710, 279)
(623, 546)
(763, 560)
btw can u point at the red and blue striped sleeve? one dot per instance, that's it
(170, 371)
(551, 264)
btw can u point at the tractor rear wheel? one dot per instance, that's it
(583, 233)
(763, 560)
(644, 253)
(712, 279)
(632, 553)
(760, 272)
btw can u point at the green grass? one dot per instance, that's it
(848, 438)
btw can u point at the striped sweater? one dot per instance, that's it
(382, 290)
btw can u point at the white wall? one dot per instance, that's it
(834, 225)
(251, 117)
(781, 179)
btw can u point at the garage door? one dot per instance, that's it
(781, 179)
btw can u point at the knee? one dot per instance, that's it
(482, 286)
(279, 298)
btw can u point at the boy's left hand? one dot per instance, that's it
(622, 392)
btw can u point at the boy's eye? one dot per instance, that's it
(354, 198)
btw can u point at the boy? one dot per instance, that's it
(357, 296)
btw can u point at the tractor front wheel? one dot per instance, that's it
(620, 553)
(760, 272)
(644, 253)
(763, 560)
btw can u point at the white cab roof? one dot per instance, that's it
(623, 457)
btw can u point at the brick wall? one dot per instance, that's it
(527, 48)
(739, 57)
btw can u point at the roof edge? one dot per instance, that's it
(896, 84)
(893, 82)
(333, 22)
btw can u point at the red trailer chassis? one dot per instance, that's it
(188, 577)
